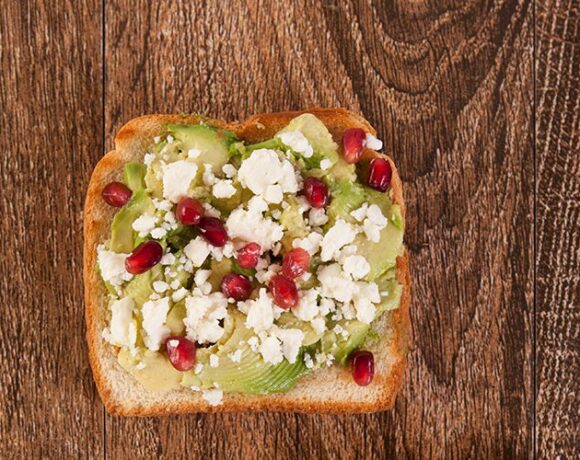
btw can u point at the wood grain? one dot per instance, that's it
(558, 220)
(449, 86)
(51, 119)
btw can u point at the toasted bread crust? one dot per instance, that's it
(120, 392)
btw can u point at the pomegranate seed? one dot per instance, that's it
(116, 194)
(181, 353)
(353, 143)
(236, 286)
(248, 255)
(284, 292)
(363, 367)
(213, 230)
(145, 256)
(316, 192)
(189, 211)
(380, 173)
(295, 263)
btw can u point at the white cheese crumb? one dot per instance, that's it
(291, 342)
(319, 325)
(310, 244)
(197, 251)
(154, 316)
(148, 159)
(177, 178)
(160, 286)
(193, 153)
(179, 294)
(297, 142)
(340, 234)
(271, 350)
(229, 170)
(198, 368)
(373, 224)
(208, 176)
(253, 342)
(157, 139)
(264, 168)
(307, 306)
(308, 361)
(112, 266)
(325, 164)
(213, 397)
(356, 266)
(317, 217)
(203, 315)
(251, 225)
(144, 224)
(260, 314)
(158, 233)
(214, 360)
(223, 189)
(122, 329)
(170, 139)
(335, 283)
(371, 142)
(168, 259)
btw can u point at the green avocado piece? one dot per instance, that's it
(251, 375)
(342, 347)
(175, 318)
(213, 143)
(141, 286)
(390, 290)
(134, 176)
(346, 196)
(294, 224)
(382, 255)
(122, 233)
(289, 321)
(158, 373)
(318, 136)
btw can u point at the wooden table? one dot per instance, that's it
(478, 102)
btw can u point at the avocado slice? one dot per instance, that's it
(213, 143)
(158, 373)
(134, 176)
(346, 196)
(318, 136)
(293, 222)
(251, 374)
(342, 347)
(122, 233)
(141, 286)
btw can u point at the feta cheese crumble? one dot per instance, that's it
(265, 168)
(213, 396)
(123, 330)
(112, 266)
(340, 234)
(203, 315)
(371, 142)
(177, 178)
(250, 224)
(297, 142)
(154, 316)
(197, 251)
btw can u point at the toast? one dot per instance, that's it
(329, 390)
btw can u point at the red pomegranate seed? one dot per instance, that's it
(353, 143)
(236, 286)
(248, 255)
(145, 256)
(116, 194)
(362, 367)
(296, 263)
(181, 353)
(189, 211)
(380, 173)
(284, 292)
(213, 230)
(316, 192)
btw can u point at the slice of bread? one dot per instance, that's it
(330, 390)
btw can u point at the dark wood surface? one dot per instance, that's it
(478, 103)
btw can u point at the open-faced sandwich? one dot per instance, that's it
(254, 265)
